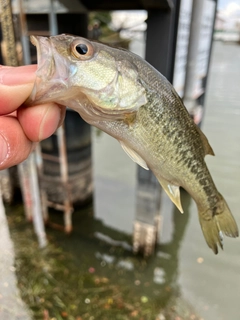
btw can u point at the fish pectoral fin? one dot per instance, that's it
(173, 192)
(134, 156)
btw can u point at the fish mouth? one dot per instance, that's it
(45, 68)
(45, 58)
(52, 72)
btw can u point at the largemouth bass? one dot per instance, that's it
(123, 95)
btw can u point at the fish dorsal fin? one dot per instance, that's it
(207, 148)
(173, 192)
(134, 156)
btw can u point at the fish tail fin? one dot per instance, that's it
(217, 222)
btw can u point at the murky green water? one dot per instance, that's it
(92, 274)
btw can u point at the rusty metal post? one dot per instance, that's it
(10, 56)
(10, 59)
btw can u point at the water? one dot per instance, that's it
(210, 283)
(213, 287)
(184, 279)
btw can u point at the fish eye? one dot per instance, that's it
(82, 49)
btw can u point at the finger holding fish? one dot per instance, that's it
(21, 127)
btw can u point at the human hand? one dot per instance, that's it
(21, 127)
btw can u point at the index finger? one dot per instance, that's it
(16, 84)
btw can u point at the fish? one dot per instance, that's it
(123, 95)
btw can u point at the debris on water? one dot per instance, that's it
(134, 313)
(128, 265)
(56, 283)
(164, 255)
(159, 275)
(12, 268)
(144, 299)
(200, 260)
(91, 270)
(113, 242)
(161, 317)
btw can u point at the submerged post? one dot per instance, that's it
(68, 208)
(147, 221)
(161, 33)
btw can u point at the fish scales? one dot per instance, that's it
(168, 131)
(174, 127)
(123, 95)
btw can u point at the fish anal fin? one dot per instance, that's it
(207, 148)
(134, 155)
(173, 192)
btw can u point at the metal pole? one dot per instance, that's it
(24, 177)
(31, 195)
(53, 19)
(24, 34)
(191, 69)
(39, 164)
(6, 185)
(68, 209)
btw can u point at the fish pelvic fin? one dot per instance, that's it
(173, 192)
(134, 155)
(215, 223)
(207, 148)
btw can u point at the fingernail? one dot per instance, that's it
(4, 149)
(12, 76)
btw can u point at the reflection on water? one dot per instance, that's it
(155, 277)
(149, 286)
(146, 288)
